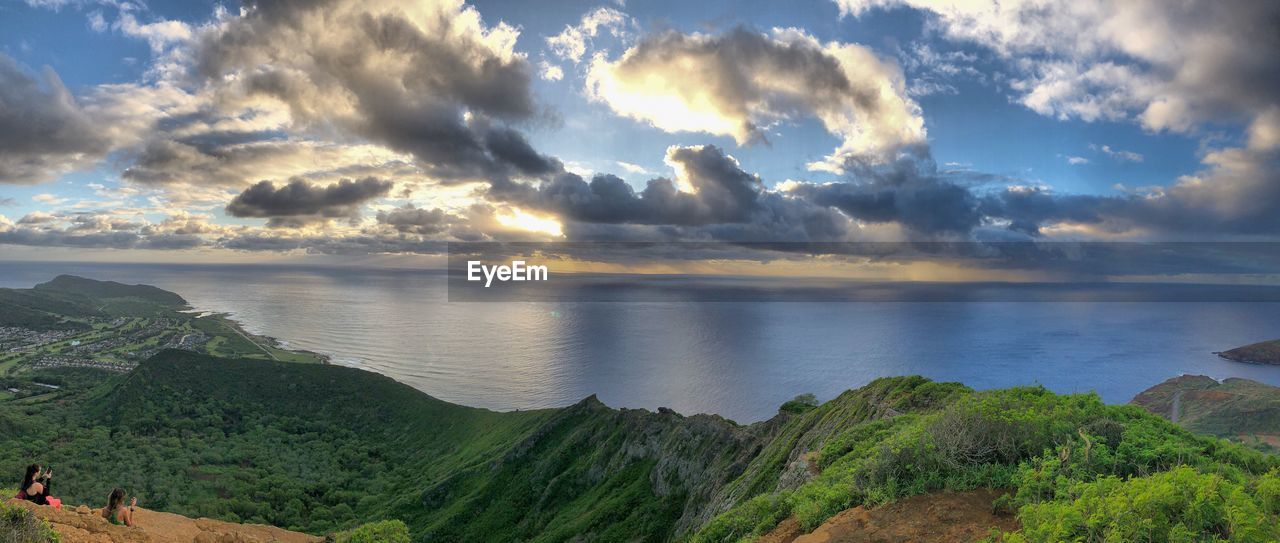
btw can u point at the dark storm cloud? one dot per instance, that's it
(412, 220)
(726, 203)
(509, 146)
(909, 191)
(299, 201)
(43, 132)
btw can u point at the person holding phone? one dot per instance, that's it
(36, 486)
(115, 512)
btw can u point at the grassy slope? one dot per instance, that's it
(1080, 468)
(67, 301)
(322, 448)
(1237, 409)
(70, 284)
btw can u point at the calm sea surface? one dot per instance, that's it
(737, 359)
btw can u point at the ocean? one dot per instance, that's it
(736, 359)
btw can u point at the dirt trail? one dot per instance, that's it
(941, 517)
(84, 525)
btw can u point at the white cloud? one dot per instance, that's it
(571, 44)
(739, 83)
(1118, 154)
(97, 22)
(549, 71)
(48, 198)
(1167, 65)
(632, 168)
(1077, 160)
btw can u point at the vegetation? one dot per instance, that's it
(18, 525)
(1240, 410)
(324, 448)
(799, 404)
(1082, 470)
(387, 531)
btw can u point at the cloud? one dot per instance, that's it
(412, 220)
(741, 82)
(910, 192)
(1077, 160)
(1236, 194)
(631, 168)
(429, 79)
(300, 202)
(1122, 156)
(37, 217)
(228, 162)
(1168, 66)
(719, 201)
(549, 71)
(571, 44)
(48, 198)
(44, 132)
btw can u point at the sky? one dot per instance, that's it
(172, 131)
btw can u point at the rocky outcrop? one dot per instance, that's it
(84, 525)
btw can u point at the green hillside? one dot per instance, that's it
(92, 288)
(1241, 410)
(70, 302)
(300, 446)
(321, 448)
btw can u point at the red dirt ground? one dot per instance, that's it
(941, 517)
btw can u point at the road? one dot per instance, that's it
(255, 344)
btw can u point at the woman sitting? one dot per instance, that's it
(115, 512)
(36, 485)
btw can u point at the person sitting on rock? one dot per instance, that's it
(115, 512)
(36, 485)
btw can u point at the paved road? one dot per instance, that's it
(255, 344)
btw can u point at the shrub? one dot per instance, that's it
(18, 525)
(1175, 506)
(800, 404)
(386, 531)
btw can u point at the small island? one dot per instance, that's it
(1263, 352)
